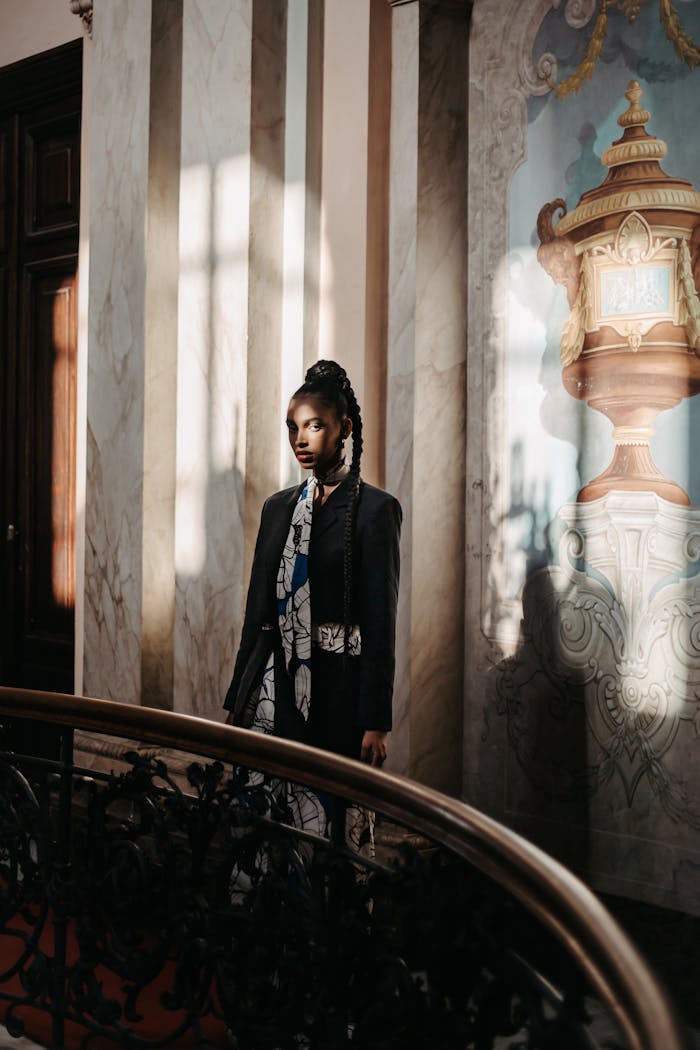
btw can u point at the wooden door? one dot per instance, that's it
(39, 212)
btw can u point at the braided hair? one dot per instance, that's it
(327, 381)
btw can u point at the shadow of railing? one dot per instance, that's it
(171, 898)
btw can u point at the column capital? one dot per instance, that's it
(83, 8)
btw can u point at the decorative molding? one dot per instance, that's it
(631, 152)
(503, 74)
(631, 200)
(83, 8)
(611, 649)
(42, 78)
(578, 13)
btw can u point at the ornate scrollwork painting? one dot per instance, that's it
(609, 666)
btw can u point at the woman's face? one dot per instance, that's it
(315, 432)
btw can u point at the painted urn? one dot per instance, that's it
(629, 256)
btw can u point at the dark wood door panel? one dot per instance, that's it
(8, 342)
(4, 189)
(49, 432)
(7, 580)
(48, 385)
(51, 174)
(39, 228)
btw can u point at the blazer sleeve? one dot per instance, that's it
(379, 538)
(257, 611)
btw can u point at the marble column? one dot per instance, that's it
(312, 180)
(213, 314)
(161, 348)
(376, 305)
(426, 392)
(265, 279)
(116, 341)
(344, 187)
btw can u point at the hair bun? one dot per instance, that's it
(327, 370)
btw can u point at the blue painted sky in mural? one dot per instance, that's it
(556, 444)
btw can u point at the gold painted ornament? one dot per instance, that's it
(629, 257)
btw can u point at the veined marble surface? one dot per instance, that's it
(212, 349)
(113, 516)
(426, 381)
(403, 191)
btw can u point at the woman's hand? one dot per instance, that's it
(374, 746)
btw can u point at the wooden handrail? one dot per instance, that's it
(575, 916)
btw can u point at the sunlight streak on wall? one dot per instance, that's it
(344, 182)
(231, 206)
(81, 374)
(294, 223)
(193, 369)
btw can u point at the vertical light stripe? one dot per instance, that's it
(294, 250)
(344, 187)
(81, 372)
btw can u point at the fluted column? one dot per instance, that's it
(426, 377)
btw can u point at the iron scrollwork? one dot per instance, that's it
(204, 914)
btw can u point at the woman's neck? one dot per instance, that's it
(329, 481)
(334, 473)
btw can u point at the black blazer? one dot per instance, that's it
(374, 592)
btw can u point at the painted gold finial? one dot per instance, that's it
(634, 114)
(633, 147)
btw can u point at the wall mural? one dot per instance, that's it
(566, 140)
(592, 516)
(611, 643)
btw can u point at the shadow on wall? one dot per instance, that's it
(600, 697)
(210, 487)
(545, 781)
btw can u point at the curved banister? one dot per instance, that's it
(560, 900)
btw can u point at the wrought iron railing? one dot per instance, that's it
(138, 909)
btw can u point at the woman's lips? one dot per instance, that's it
(305, 457)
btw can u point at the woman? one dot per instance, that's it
(316, 659)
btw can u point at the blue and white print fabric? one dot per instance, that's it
(331, 638)
(294, 599)
(307, 809)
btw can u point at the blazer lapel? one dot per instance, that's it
(280, 531)
(333, 511)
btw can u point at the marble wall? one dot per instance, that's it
(213, 333)
(547, 663)
(160, 363)
(233, 238)
(426, 385)
(170, 186)
(115, 388)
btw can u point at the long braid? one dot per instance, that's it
(327, 380)
(354, 482)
